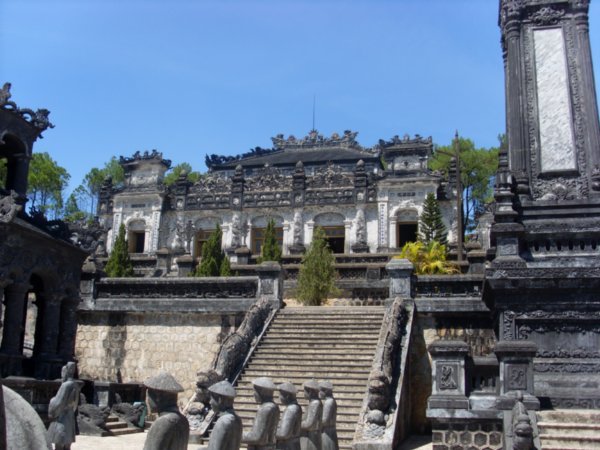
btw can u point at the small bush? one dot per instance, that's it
(119, 264)
(428, 259)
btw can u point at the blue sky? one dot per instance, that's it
(194, 77)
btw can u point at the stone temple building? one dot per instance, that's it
(365, 199)
(39, 265)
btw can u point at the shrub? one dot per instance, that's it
(270, 250)
(214, 262)
(119, 264)
(317, 272)
(428, 259)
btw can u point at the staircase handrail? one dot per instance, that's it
(521, 428)
(386, 428)
(210, 416)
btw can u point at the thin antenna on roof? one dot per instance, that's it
(314, 102)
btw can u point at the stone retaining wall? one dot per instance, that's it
(139, 345)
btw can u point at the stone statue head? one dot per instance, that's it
(162, 392)
(287, 393)
(263, 389)
(311, 390)
(68, 370)
(325, 389)
(222, 395)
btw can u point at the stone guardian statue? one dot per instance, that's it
(329, 436)
(62, 407)
(171, 430)
(227, 432)
(264, 428)
(288, 431)
(311, 423)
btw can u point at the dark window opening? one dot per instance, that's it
(406, 232)
(136, 241)
(336, 238)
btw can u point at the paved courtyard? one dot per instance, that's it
(125, 442)
(136, 442)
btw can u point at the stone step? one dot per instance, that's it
(569, 429)
(569, 416)
(578, 442)
(111, 426)
(332, 309)
(124, 431)
(322, 368)
(306, 375)
(329, 331)
(340, 390)
(301, 344)
(315, 358)
(326, 323)
(322, 337)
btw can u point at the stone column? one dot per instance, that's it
(591, 126)
(270, 282)
(11, 349)
(400, 272)
(14, 318)
(516, 373)
(515, 97)
(68, 328)
(448, 390)
(47, 362)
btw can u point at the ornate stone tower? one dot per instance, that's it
(544, 282)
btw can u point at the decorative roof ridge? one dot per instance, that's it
(38, 118)
(146, 156)
(217, 160)
(406, 140)
(314, 139)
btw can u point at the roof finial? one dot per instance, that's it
(313, 117)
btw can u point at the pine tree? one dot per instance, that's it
(431, 226)
(211, 264)
(317, 272)
(270, 250)
(225, 269)
(119, 264)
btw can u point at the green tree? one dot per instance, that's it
(174, 174)
(428, 259)
(72, 212)
(45, 184)
(214, 262)
(477, 167)
(270, 251)
(92, 182)
(431, 225)
(316, 279)
(119, 264)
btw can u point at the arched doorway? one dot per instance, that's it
(407, 226)
(136, 236)
(335, 230)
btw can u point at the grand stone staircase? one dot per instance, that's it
(569, 429)
(325, 343)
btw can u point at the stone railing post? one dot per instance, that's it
(185, 263)
(516, 373)
(270, 282)
(448, 388)
(400, 272)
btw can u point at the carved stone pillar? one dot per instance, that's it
(516, 373)
(448, 388)
(48, 363)
(14, 318)
(68, 328)
(11, 350)
(400, 272)
(270, 282)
